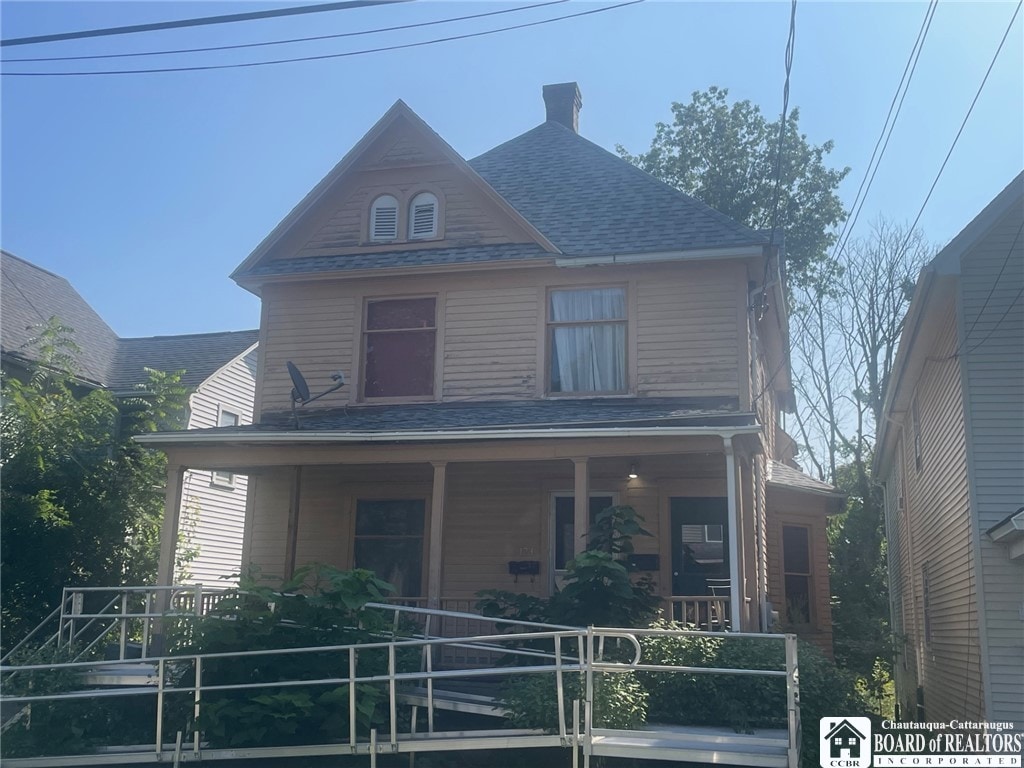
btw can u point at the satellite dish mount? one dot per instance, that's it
(300, 389)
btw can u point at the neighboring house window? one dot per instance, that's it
(384, 219)
(389, 541)
(423, 216)
(587, 338)
(400, 340)
(915, 418)
(796, 565)
(227, 479)
(564, 538)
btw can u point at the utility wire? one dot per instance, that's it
(195, 22)
(886, 133)
(284, 42)
(970, 109)
(992, 290)
(790, 45)
(323, 56)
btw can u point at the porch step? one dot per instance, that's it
(762, 749)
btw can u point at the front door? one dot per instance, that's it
(700, 544)
(389, 542)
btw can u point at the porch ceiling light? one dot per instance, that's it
(632, 472)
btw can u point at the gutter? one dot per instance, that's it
(317, 436)
(643, 258)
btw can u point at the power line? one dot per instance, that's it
(195, 22)
(970, 109)
(886, 132)
(999, 321)
(326, 55)
(984, 306)
(284, 42)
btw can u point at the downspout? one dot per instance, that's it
(734, 535)
(762, 592)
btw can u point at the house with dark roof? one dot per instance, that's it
(526, 338)
(950, 456)
(218, 368)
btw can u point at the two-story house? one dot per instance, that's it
(527, 338)
(218, 368)
(950, 457)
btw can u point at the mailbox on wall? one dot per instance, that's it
(524, 567)
(644, 562)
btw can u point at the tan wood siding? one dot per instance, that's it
(992, 278)
(688, 334)
(937, 511)
(683, 327)
(212, 515)
(267, 539)
(788, 508)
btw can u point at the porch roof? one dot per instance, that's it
(785, 476)
(493, 419)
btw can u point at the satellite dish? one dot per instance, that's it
(300, 390)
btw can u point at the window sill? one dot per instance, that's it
(223, 486)
(590, 395)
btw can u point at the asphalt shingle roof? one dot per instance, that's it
(30, 296)
(404, 258)
(785, 475)
(508, 415)
(200, 355)
(587, 201)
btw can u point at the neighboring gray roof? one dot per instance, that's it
(30, 296)
(786, 476)
(200, 355)
(589, 202)
(507, 414)
(404, 258)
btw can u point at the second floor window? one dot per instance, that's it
(399, 343)
(587, 340)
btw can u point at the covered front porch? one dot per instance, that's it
(443, 518)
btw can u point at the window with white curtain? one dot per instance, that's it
(587, 340)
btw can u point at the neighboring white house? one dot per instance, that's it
(219, 368)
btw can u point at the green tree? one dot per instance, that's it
(81, 502)
(725, 156)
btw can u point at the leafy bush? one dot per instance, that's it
(743, 701)
(319, 606)
(620, 701)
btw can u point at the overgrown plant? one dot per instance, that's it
(319, 606)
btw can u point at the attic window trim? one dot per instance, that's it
(402, 224)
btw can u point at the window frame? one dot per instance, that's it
(435, 232)
(220, 478)
(371, 224)
(364, 333)
(372, 498)
(549, 327)
(809, 575)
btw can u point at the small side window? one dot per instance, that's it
(384, 219)
(423, 216)
(225, 479)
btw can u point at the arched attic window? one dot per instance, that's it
(384, 219)
(423, 216)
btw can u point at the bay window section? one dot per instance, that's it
(587, 340)
(399, 343)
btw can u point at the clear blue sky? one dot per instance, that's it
(145, 191)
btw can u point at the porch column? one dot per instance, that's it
(169, 527)
(581, 506)
(735, 531)
(292, 536)
(436, 533)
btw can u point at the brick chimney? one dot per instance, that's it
(563, 102)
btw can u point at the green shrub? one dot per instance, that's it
(319, 606)
(620, 701)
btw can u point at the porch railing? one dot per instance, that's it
(699, 612)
